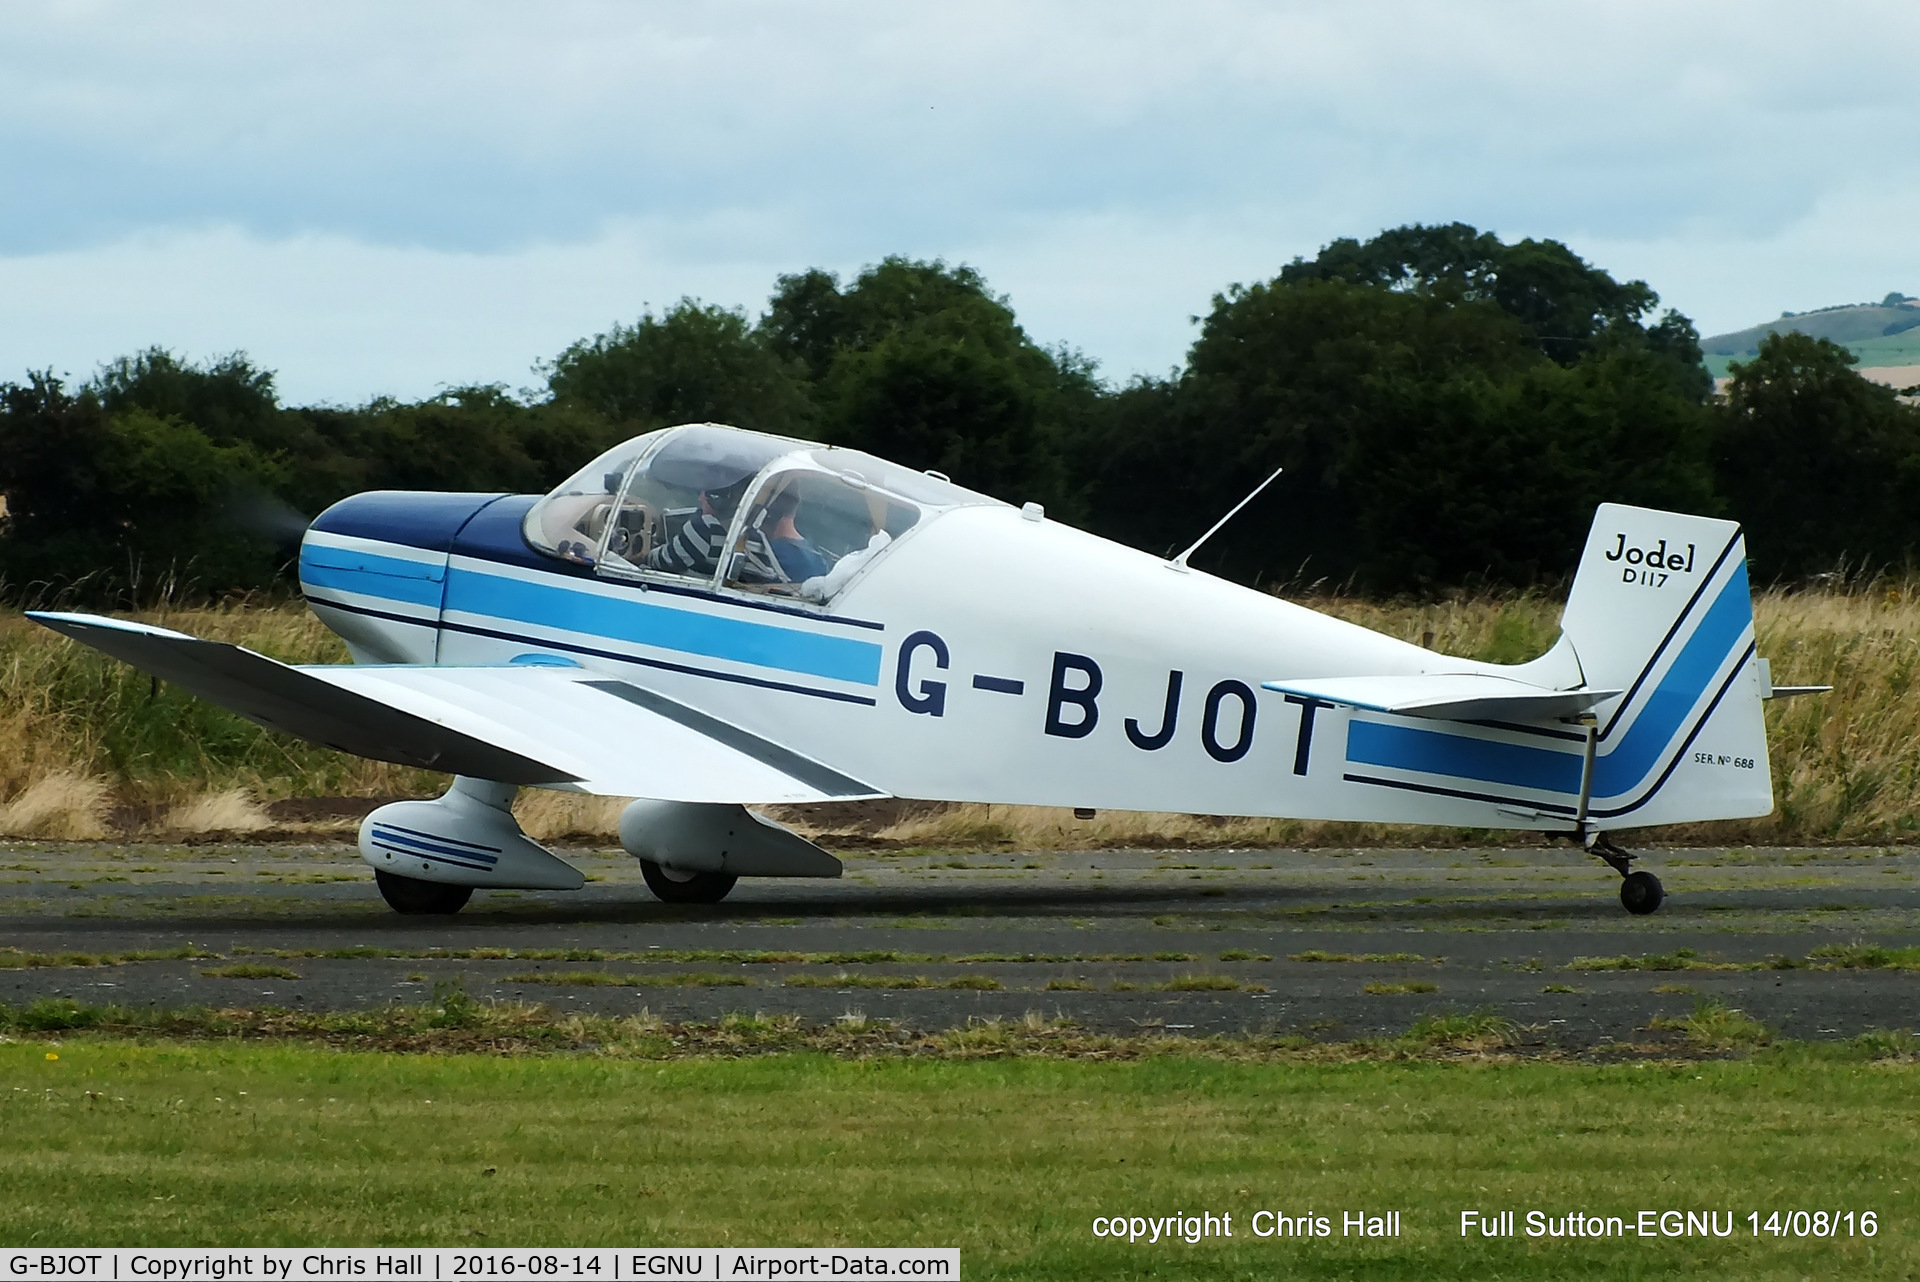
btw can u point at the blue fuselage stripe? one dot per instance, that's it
(1652, 732)
(413, 588)
(665, 627)
(1432, 752)
(333, 558)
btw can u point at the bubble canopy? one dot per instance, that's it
(658, 505)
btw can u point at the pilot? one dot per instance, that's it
(703, 461)
(799, 557)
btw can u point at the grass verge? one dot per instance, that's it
(1007, 1156)
(1715, 1026)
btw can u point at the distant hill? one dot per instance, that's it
(1880, 334)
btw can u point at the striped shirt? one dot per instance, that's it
(696, 548)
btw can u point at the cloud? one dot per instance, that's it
(342, 320)
(313, 176)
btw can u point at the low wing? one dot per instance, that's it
(1447, 696)
(516, 724)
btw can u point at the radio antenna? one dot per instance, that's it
(1180, 562)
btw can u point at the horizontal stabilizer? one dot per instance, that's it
(522, 724)
(1462, 696)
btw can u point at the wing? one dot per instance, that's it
(1447, 696)
(521, 724)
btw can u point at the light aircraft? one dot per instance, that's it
(709, 619)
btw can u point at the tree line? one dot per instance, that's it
(1448, 409)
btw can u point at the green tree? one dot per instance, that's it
(1282, 375)
(1427, 439)
(920, 363)
(470, 438)
(120, 507)
(228, 398)
(1820, 465)
(1481, 478)
(693, 364)
(231, 401)
(1568, 306)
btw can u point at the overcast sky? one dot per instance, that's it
(382, 198)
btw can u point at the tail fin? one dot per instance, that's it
(1661, 610)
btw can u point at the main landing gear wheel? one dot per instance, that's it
(1641, 893)
(414, 897)
(677, 886)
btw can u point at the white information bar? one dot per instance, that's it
(485, 1264)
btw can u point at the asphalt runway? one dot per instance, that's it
(1332, 944)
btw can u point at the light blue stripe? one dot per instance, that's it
(1373, 743)
(332, 558)
(1626, 767)
(666, 627)
(414, 591)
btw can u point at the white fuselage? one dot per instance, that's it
(986, 656)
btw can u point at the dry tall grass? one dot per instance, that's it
(64, 806)
(567, 816)
(229, 810)
(69, 711)
(81, 735)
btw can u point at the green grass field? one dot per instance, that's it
(126, 1142)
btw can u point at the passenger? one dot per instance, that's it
(800, 558)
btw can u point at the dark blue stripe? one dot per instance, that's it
(415, 844)
(999, 685)
(434, 836)
(349, 608)
(1404, 786)
(437, 859)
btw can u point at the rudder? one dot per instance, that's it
(1661, 609)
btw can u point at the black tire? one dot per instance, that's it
(1641, 893)
(677, 887)
(414, 897)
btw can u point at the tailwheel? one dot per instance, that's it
(1641, 893)
(678, 886)
(414, 897)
